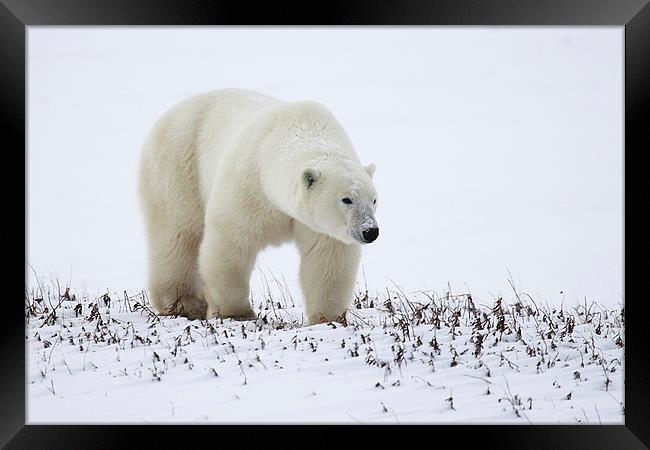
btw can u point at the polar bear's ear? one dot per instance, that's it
(309, 177)
(370, 168)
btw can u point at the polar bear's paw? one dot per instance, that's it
(235, 314)
(248, 315)
(320, 318)
(191, 307)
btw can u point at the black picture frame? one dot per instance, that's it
(634, 15)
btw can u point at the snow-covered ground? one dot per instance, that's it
(401, 358)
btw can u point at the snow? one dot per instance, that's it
(393, 362)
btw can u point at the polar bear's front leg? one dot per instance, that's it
(225, 268)
(328, 271)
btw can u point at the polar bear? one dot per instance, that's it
(227, 173)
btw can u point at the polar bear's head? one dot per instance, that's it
(311, 172)
(340, 200)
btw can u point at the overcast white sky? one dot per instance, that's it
(496, 148)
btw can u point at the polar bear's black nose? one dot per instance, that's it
(370, 234)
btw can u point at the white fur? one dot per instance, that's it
(223, 175)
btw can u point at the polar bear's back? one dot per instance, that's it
(181, 153)
(227, 115)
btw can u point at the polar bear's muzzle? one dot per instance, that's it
(363, 226)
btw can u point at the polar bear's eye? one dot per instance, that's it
(374, 202)
(347, 201)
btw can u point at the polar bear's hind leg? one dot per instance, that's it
(174, 287)
(174, 228)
